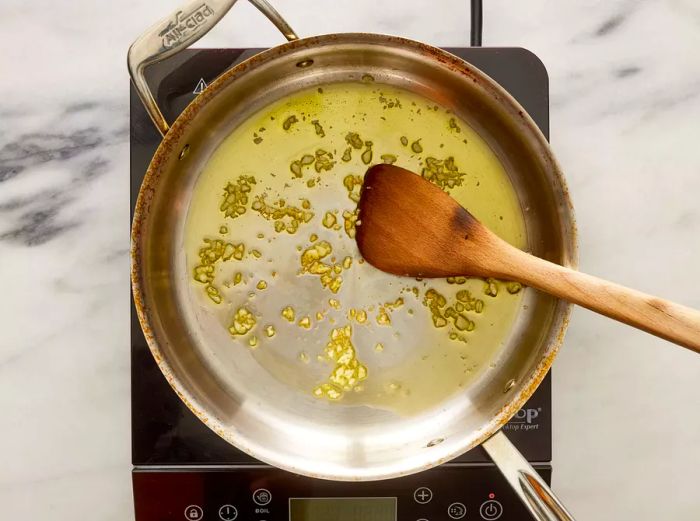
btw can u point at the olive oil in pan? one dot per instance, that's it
(270, 249)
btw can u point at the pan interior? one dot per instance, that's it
(406, 393)
(405, 345)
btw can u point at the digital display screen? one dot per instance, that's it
(342, 509)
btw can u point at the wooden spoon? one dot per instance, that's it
(408, 226)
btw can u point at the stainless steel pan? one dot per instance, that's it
(288, 430)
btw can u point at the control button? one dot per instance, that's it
(491, 510)
(456, 511)
(228, 513)
(194, 513)
(423, 495)
(262, 497)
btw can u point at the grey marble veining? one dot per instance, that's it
(625, 94)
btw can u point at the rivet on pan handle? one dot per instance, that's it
(530, 487)
(177, 32)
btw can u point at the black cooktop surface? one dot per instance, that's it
(164, 431)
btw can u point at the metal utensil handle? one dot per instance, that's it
(177, 32)
(530, 487)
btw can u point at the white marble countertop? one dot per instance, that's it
(625, 92)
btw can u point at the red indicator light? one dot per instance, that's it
(492, 495)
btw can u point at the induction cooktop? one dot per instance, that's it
(183, 470)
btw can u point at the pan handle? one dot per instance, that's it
(530, 487)
(177, 32)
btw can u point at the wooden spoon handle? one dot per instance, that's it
(665, 319)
